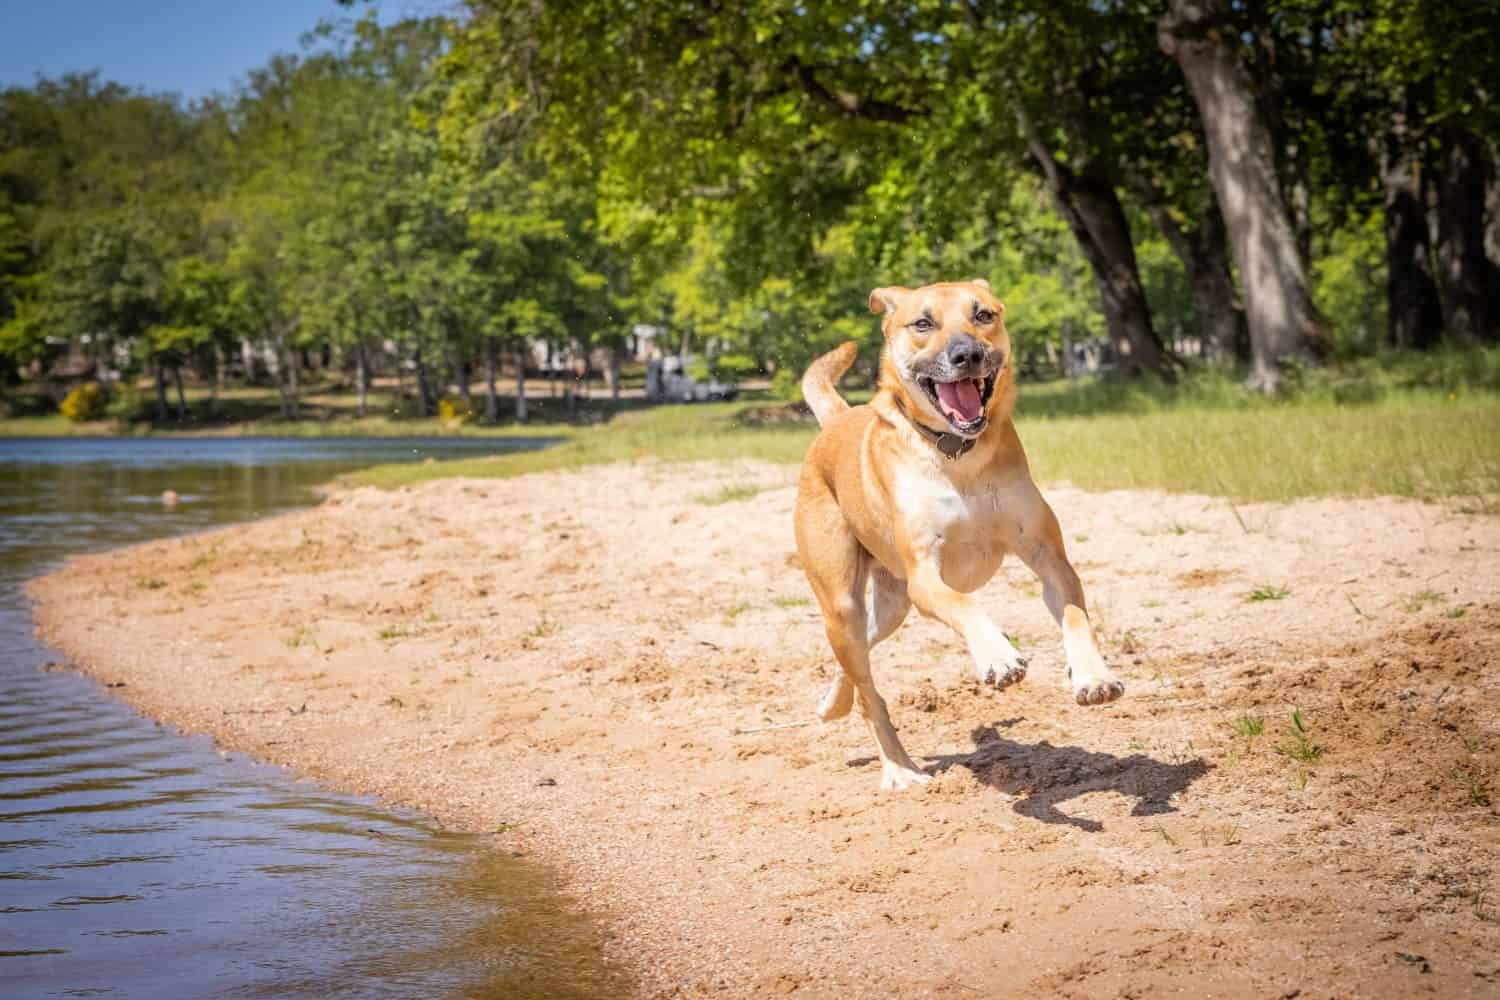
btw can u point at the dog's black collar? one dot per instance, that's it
(950, 444)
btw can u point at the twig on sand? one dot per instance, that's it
(767, 729)
(1236, 512)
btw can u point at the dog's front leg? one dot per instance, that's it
(1093, 682)
(996, 661)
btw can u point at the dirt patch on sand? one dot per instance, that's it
(576, 659)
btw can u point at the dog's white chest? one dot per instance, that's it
(964, 529)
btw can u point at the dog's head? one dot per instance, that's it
(947, 356)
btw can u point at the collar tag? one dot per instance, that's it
(951, 445)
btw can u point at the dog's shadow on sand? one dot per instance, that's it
(1043, 775)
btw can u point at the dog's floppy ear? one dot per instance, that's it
(884, 299)
(980, 282)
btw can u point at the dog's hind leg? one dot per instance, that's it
(885, 612)
(837, 566)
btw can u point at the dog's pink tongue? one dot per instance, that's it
(960, 399)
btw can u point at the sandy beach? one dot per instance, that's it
(598, 669)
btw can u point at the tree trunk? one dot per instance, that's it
(161, 392)
(182, 411)
(1413, 313)
(218, 383)
(1279, 310)
(1296, 188)
(1492, 207)
(1466, 278)
(1202, 246)
(362, 375)
(285, 376)
(1089, 204)
(1093, 212)
(520, 355)
(247, 360)
(491, 399)
(101, 360)
(614, 372)
(293, 388)
(424, 391)
(463, 372)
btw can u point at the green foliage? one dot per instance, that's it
(127, 404)
(787, 385)
(433, 190)
(1349, 287)
(734, 368)
(85, 402)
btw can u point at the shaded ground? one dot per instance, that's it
(573, 660)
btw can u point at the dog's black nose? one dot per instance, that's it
(965, 352)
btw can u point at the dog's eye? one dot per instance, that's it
(983, 316)
(921, 324)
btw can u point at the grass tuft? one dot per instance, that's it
(1421, 599)
(1267, 593)
(1299, 744)
(1476, 784)
(729, 494)
(1248, 726)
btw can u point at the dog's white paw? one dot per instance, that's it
(894, 777)
(1098, 690)
(996, 661)
(1001, 672)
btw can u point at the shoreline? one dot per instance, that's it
(562, 660)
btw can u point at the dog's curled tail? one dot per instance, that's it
(820, 381)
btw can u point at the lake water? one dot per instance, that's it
(138, 862)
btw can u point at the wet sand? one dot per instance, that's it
(583, 663)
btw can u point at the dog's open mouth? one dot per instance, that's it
(961, 401)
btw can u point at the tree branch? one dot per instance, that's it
(852, 105)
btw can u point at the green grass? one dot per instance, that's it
(1424, 426)
(1299, 744)
(1476, 785)
(668, 433)
(729, 494)
(1412, 446)
(1416, 602)
(1267, 593)
(1408, 442)
(1248, 726)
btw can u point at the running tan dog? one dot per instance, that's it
(919, 495)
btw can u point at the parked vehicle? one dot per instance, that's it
(668, 381)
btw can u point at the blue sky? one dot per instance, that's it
(191, 47)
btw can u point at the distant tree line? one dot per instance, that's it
(1196, 181)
